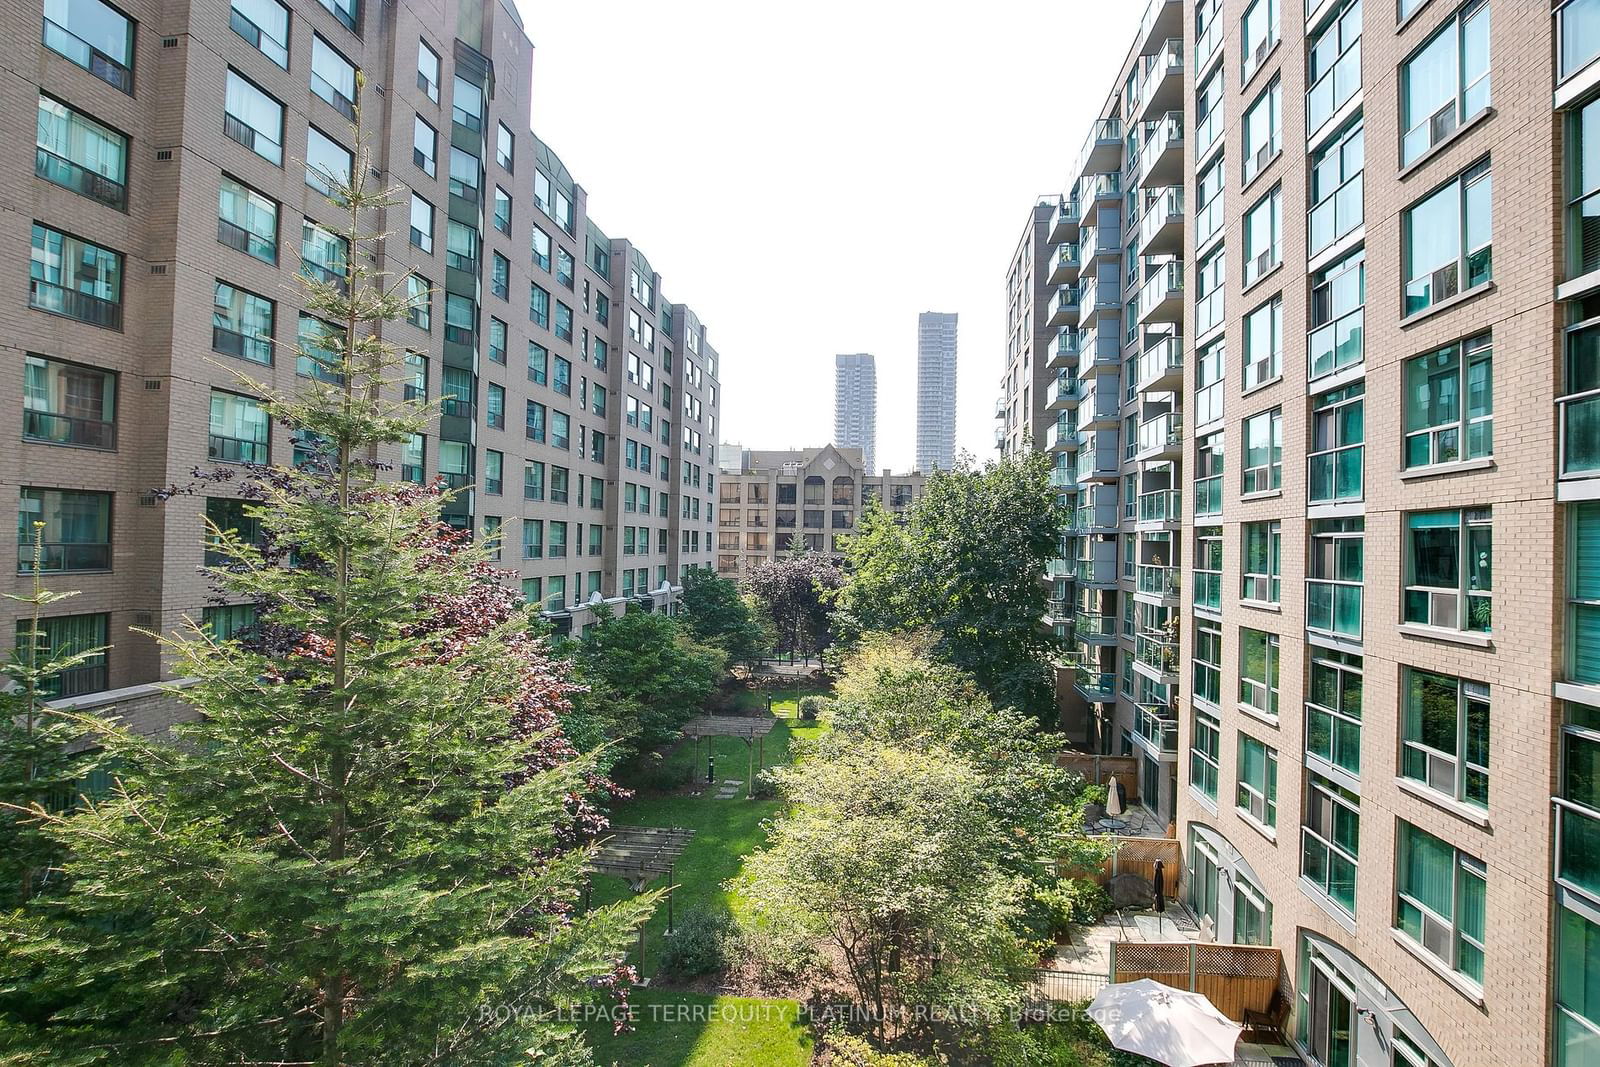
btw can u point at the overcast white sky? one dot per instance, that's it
(809, 177)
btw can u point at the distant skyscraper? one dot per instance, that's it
(936, 390)
(855, 406)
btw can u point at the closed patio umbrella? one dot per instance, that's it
(1170, 1026)
(1113, 797)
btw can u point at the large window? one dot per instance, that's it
(253, 118)
(247, 220)
(1259, 34)
(1263, 563)
(1210, 201)
(1208, 567)
(425, 147)
(95, 36)
(1334, 570)
(1330, 840)
(1207, 661)
(1444, 736)
(78, 153)
(1336, 204)
(1338, 297)
(421, 224)
(1205, 746)
(1258, 670)
(265, 24)
(1583, 593)
(1257, 795)
(241, 323)
(428, 71)
(320, 349)
(1450, 403)
(1449, 569)
(1447, 82)
(1334, 65)
(66, 404)
(69, 276)
(346, 11)
(1449, 240)
(74, 527)
(1333, 709)
(1263, 451)
(1210, 362)
(63, 637)
(1263, 343)
(1577, 992)
(1263, 130)
(466, 175)
(504, 147)
(324, 255)
(1208, 475)
(238, 430)
(1209, 286)
(1439, 900)
(1337, 435)
(1263, 227)
(1209, 113)
(502, 211)
(539, 306)
(327, 163)
(419, 302)
(333, 77)
(1583, 183)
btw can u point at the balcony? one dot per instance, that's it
(1334, 607)
(1100, 571)
(1157, 584)
(1065, 225)
(1097, 189)
(58, 556)
(1161, 366)
(1064, 264)
(1098, 241)
(1062, 393)
(1159, 509)
(50, 428)
(1104, 349)
(1162, 160)
(1580, 434)
(1161, 226)
(1057, 612)
(1095, 629)
(1161, 299)
(1060, 570)
(1098, 460)
(1063, 478)
(1101, 407)
(59, 300)
(1161, 78)
(1161, 438)
(1101, 300)
(1063, 308)
(1097, 687)
(1155, 655)
(1097, 514)
(1064, 351)
(1062, 436)
(1156, 729)
(1102, 149)
(1163, 19)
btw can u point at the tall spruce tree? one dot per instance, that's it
(361, 852)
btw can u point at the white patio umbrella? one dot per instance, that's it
(1170, 1026)
(1113, 798)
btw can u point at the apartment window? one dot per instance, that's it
(1330, 840)
(538, 364)
(602, 302)
(1208, 388)
(563, 321)
(252, 118)
(460, 246)
(1438, 422)
(494, 462)
(1333, 709)
(1263, 130)
(562, 382)
(541, 249)
(1446, 83)
(241, 323)
(225, 622)
(466, 105)
(566, 268)
(502, 211)
(1337, 433)
(1334, 573)
(333, 77)
(532, 538)
(71, 277)
(1207, 661)
(1258, 781)
(1205, 745)
(346, 11)
(421, 224)
(1259, 34)
(428, 71)
(67, 404)
(1263, 246)
(78, 153)
(1449, 569)
(61, 638)
(76, 531)
(1439, 900)
(1210, 285)
(558, 540)
(419, 302)
(425, 147)
(327, 163)
(1577, 1011)
(533, 481)
(1336, 187)
(324, 255)
(1448, 240)
(465, 175)
(539, 306)
(1583, 593)
(1334, 65)
(1444, 736)
(1338, 299)
(504, 147)
(247, 220)
(95, 36)
(1208, 475)
(231, 517)
(496, 406)
(1578, 805)
(321, 349)
(1208, 567)
(238, 430)
(541, 193)
(1208, 194)
(1263, 343)
(1263, 451)
(599, 406)
(560, 430)
(500, 276)
(1209, 116)
(1263, 562)
(412, 456)
(1258, 670)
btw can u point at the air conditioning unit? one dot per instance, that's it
(1263, 262)
(1442, 123)
(1263, 154)
(1445, 282)
(1262, 49)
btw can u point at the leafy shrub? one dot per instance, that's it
(852, 1051)
(1073, 902)
(777, 954)
(811, 707)
(698, 944)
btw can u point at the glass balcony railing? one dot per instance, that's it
(1096, 686)
(1208, 590)
(1158, 580)
(1577, 845)
(1062, 388)
(1065, 302)
(1207, 496)
(1067, 346)
(1580, 434)
(1336, 345)
(1167, 59)
(1158, 650)
(1333, 607)
(1163, 432)
(1161, 505)
(1336, 214)
(1088, 626)
(1065, 259)
(1158, 726)
(1161, 360)
(1060, 568)
(1062, 478)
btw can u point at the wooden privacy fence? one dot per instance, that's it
(1138, 855)
(1236, 978)
(1099, 769)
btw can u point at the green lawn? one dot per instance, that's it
(672, 1029)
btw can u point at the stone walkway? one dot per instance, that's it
(729, 788)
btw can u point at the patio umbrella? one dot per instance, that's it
(1113, 797)
(1170, 1026)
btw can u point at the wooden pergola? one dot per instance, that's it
(751, 729)
(639, 854)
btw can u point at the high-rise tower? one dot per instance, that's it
(936, 390)
(855, 405)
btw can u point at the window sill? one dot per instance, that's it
(1470, 638)
(1265, 718)
(1337, 379)
(1204, 801)
(1335, 509)
(1409, 19)
(1466, 812)
(1261, 605)
(1249, 820)
(1244, 188)
(1345, 920)
(1267, 384)
(1461, 985)
(1447, 303)
(1576, 287)
(1451, 138)
(1259, 494)
(1263, 276)
(1266, 61)
(1460, 466)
